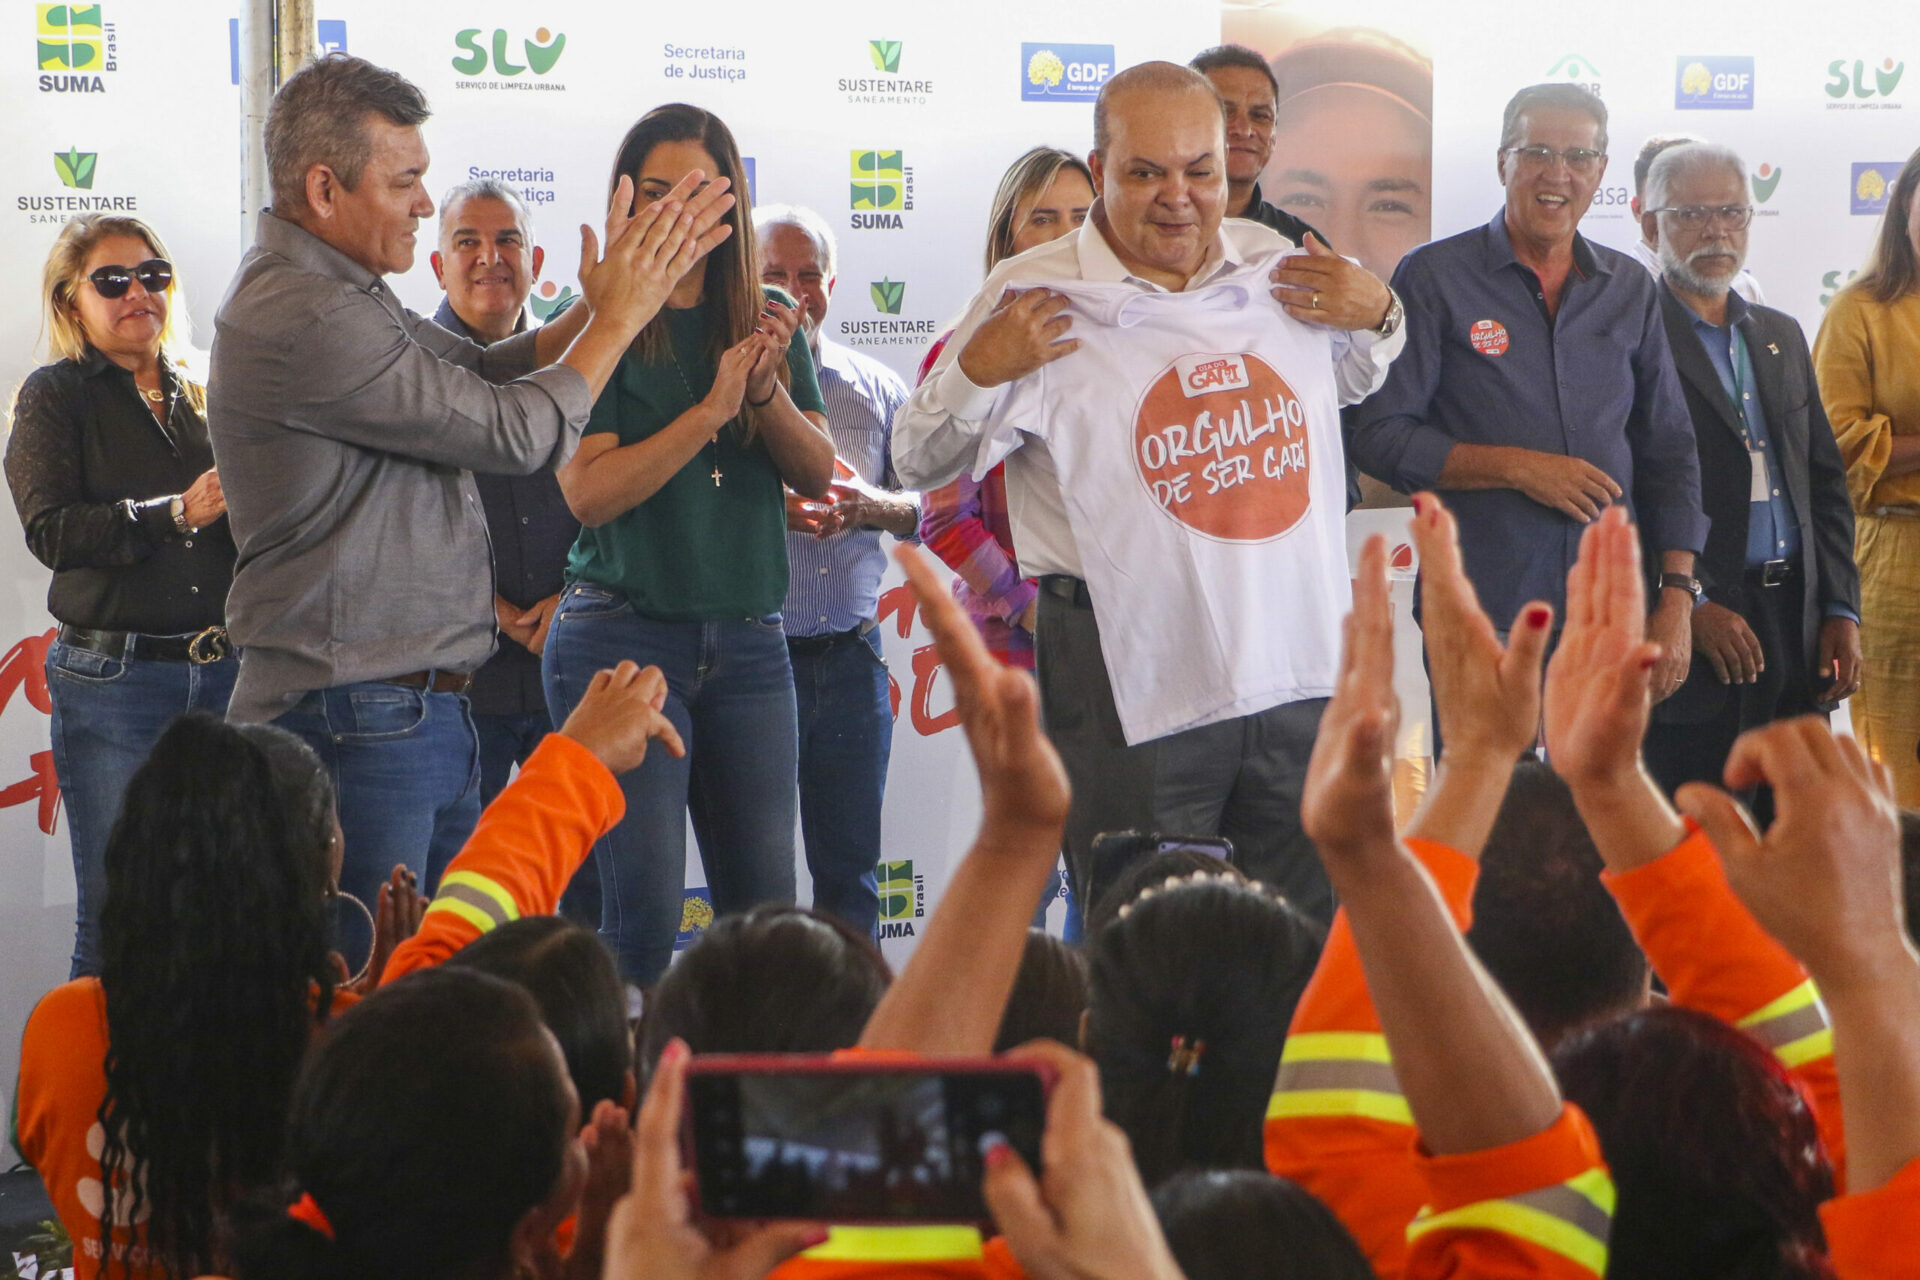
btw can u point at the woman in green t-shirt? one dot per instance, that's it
(682, 562)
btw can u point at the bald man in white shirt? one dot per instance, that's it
(1159, 164)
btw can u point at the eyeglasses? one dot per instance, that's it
(1581, 160)
(154, 275)
(1695, 216)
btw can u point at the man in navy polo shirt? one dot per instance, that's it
(1537, 387)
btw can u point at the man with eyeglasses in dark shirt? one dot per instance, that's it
(1537, 387)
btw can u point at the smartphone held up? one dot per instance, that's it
(855, 1140)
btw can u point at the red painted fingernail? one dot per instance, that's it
(1647, 664)
(998, 1154)
(814, 1236)
(1539, 616)
(1419, 504)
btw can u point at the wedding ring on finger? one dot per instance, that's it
(1316, 302)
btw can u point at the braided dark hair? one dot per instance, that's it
(214, 943)
(1190, 993)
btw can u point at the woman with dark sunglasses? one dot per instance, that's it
(113, 476)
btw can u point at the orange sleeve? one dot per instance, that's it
(1714, 957)
(1876, 1235)
(1542, 1206)
(1337, 1123)
(530, 841)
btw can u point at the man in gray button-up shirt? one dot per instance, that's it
(346, 428)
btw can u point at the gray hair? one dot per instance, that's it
(1692, 157)
(1554, 97)
(320, 117)
(768, 216)
(486, 189)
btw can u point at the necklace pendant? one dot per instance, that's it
(716, 476)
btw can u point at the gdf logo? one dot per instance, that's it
(1064, 72)
(1713, 84)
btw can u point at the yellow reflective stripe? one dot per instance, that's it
(1558, 1227)
(1806, 1049)
(898, 1244)
(1390, 1108)
(1318, 1046)
(1798, 998)
(1794, 1026)
(465, 910)
(486, 886)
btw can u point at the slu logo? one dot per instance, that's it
(879, 180)
(542, 51)
(76, 168)
(72, 37)
(1764, 182)
(1886, 78)
(549, 298)
(1831, 283)
(888, 295)
(885, 54)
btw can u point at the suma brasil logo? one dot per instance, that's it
(903, 898)
(1713, 84)
(74, 45)
(506, 60)
(1064, 72)
(889, 87)
(1850, 85)
(881, 190)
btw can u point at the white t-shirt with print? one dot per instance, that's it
(1196, 437)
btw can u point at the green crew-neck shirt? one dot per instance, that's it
(695, 551)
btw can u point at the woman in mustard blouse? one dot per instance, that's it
(1867, 359)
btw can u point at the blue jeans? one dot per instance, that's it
(405, 766)
(846, 735)
(506, 741)
(107, 714)
(730, 694)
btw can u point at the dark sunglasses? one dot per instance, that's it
(154, 275)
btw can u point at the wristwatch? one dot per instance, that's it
(1684, 582)
(1396, 315)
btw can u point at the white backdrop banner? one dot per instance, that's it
(894, 122)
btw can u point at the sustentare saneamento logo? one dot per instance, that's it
(888, 87)
(885, 55)
(76, 168)
(78, 172)
(888, 295)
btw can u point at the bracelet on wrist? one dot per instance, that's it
(761, 404)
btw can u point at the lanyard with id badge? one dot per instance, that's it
(1760, 486)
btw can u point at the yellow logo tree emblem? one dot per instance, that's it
(1696, 79)
(1871, 185)
(1045, 68)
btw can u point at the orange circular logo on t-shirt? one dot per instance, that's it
(1489, 337)
(1220, 442)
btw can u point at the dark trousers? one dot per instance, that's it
(846, 738)
(1696, 750)
(1240, 778)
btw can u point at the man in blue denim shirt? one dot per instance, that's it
(1537, 386)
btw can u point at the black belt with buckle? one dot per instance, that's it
(1064, 586)
(1773, 573)
(809, 645)
(200, 648)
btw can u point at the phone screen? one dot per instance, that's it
(842, 1146)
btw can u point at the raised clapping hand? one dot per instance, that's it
(650, 248)
(1320, 287)
(1024, 331)
(620, 714)
(1023, 786)
(730, 378)
(777, 325)
(608, 1139)
(1087, 1216)
(652, 1235)
(1347, 804)
(1597, 697)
